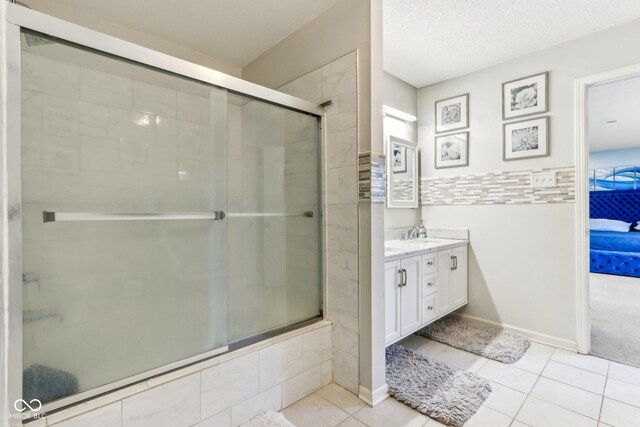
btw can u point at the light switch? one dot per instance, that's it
(543, 179)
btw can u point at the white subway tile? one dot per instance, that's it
(173, 404)
(154, 99)
(48, 75)
(229, 383)
(193, 108)
(107, 416)
(280, 362)
(301, 385)
(316, 347)
(267, 400)
(106, 89)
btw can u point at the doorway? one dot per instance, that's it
(608, 212)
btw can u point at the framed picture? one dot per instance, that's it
(452, 150)
(399, 158)
(525, 139)
(525, 96)
(452, 113)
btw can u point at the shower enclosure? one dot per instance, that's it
(163, 212)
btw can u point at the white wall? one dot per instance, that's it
(522, 256)
(404, 97)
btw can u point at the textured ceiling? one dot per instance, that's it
(619, 101)
(427, 41)
(236, 31)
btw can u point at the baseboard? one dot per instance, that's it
(375, 397)
(532, 335)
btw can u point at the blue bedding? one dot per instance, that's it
(615, 241)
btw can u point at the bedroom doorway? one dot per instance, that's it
(608, 207)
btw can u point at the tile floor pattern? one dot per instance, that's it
(547, 387)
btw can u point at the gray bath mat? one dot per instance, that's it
(441, 392)
(492, 343)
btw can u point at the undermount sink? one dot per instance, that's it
(399, 245)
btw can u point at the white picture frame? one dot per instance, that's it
(452, 113)
(525, 96)
(525, 139)
(452, 150)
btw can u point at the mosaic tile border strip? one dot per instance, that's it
(495, 188)
(372, 177)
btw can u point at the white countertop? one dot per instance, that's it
(395, 249)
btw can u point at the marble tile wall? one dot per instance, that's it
(508, 187)
(222, 392)
(337, 81)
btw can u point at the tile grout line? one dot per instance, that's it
(515, 417)
(604, 390)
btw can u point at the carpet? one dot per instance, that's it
(615, 316)
(492, 343)
(446, 394)
(268, 419)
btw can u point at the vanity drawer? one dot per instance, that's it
(429, 263)
(429, 285)
(429, 308)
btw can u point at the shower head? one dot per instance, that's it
(31, 39)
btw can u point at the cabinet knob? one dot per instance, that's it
(429, 262)
(429, 283)
(430, 307)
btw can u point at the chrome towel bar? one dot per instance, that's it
(150, 216)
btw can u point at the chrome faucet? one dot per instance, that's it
(412, 233)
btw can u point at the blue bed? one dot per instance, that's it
(615, 252)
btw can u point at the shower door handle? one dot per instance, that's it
(129, 216)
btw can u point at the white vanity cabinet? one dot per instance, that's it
(421, 288)
(402, 297)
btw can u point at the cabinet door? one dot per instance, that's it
(410, 304)
(392, 300)
(443, 278)
(458, 287)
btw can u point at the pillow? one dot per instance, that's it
(602, 224)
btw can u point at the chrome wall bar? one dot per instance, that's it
(128, 216)
(48, 216)
(42, 23)
(307, 214)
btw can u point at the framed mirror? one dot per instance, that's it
(402, 173)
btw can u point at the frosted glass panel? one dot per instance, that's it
(106, 300)
(274, 261)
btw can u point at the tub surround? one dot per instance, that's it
(224, 391)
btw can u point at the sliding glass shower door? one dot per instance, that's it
(163, 219)
(124, 243)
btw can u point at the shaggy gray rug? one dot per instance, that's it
(446, 394)
(492, 343)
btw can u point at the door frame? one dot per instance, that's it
(583, 318)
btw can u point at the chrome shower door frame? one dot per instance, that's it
(17, 19)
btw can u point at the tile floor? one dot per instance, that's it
(547, 387)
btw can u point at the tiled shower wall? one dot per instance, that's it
(99, 141)
(273, 167)
(337, 81)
